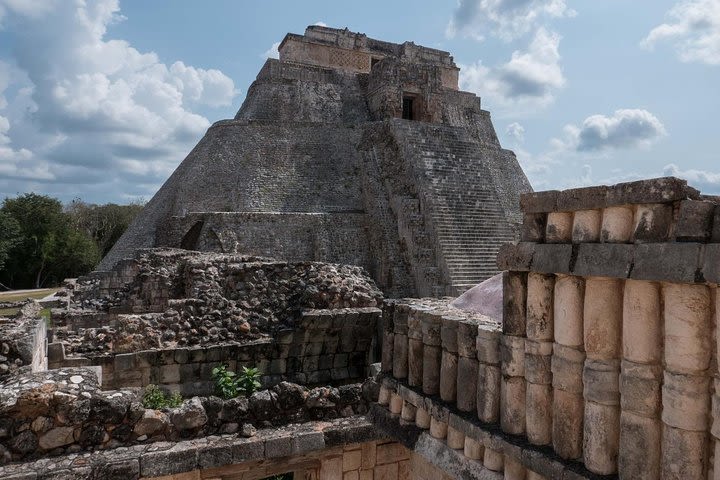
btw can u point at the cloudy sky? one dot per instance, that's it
(102, 99)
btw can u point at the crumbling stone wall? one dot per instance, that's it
(23, 341)
(605, 360)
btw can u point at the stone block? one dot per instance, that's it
(488, 346)
(467, 384)
(352, 460)
(586, 226)
(540, 292)
(512, 354)
(559, 227)
(448, 376)
(639, 455)
(715, 236)
(533, 227)
(516, 257)
(655, 190)
(684, 454)
(473, 449)
(602, 315)
(448, 333)
(604, 260)
(513, 469)
(455, 439)
(539, 404)
(467, 339)
(601, 438)
(512, 405)
(686, 401)
(694, 222)
(642, 322)
(438, 429)
(396, 403)
(431, 326)
(384, 472)
(617, 224)
(493, 460)
(515, 291)
(169, 374)
(432, 359)
(538, 362)
(688, 346)
(652, 223)
(640, 388)
(567, 367)
(549, 258)
(488, 393)
(584, 198)
(400, 356)
(415, 362)
(568, 413)
(539, 202)
(422, 418)
(408, 412)
(680, 262)
(711, 262)
(568, 310)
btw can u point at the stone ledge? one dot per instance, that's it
(171, 458)
(540, 459)
(681, 262)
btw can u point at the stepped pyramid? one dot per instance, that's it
(349, 150)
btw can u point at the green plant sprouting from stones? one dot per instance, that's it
(228, 384)
(156, 399)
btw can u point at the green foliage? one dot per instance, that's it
(156, 399)
(226, 382)
(230, 385)
(249, 380)
(103, 223)
(9, 236)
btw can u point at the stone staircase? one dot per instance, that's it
(460, 201)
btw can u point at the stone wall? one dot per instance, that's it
(606, 358)
(23, 341)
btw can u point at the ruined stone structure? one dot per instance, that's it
(348, 150)
(603, 364)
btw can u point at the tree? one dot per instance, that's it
(49, 247)
(104, 223)
(9, 236)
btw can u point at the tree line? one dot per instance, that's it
(43, 241)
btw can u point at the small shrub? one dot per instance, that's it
(249, 380)
(156, 399)
(226, 382)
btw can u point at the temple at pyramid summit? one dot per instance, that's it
(348, 150)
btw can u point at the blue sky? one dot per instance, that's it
(101, 99)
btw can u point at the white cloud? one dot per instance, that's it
(703, 180)
(320, 24)
(529, 80)
(693, 28)
(507, 19)
(91, 112)
(272, 52)
(516, 132)
(626, 128)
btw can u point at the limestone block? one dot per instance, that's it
(540, 292)
(601, 437)
(414, 322)
(431, 369)
(455, 439)
(535, 476)
(601, 381)
(467, 339)
(473, 449)
(694, 221)
(688, 346)
(384, 395)
(602, 315)
(586, 226)
(640, 388)
(512, 405)
(539, 202)
(400, 356)
(396, 403)
(559, 227)
(422, 418)
(448, 376)
(686, 401)
(488, 346)
(715, 428)
(652, 222)
(539, 404)
(400, 318)
(493, 460)
(642, 322)
(408, 412)
(515, 286)
(512, 354)
(513, 469)
(438, 429)
(617, 224)
(533, 227)
(448, 333)
(431, 324)
(488, 393)
(538, 362)
(568, 310)
(467, 384)
(683, 454)
(415, 362)
(568, 413)
(567, 367)
(639, 450)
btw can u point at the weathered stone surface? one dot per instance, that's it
(540, 293)
(680, 262)
(568, 310)
(190, 415)
(602, 318)
(604, 260)
(656, 190)
(539, 202)
(687, 323)
(533, 227)
(601, 438)
(539, 404)
(550, 258)
(617, 224)
(586, 226)
(515, 286)
(568, 414)
(684, 454)
(512, 405)
(639, 454)
(584, 198)
(652, 223)
(57, 437)
(516, 257)
(711, 262)
(694, 222)
(559, 227)
(642, 322)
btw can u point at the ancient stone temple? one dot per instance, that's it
(348, 150)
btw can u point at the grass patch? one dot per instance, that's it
(8, 312)
(35, 294)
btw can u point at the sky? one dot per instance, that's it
(102, 99)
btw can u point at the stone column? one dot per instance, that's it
(617, 224)
(415, 347)
(538, 351)
(602, 316)
(513, 469)
(473, 449)
(400, 341)
(489, 377)
(467, 366)
(432, 352)
(640, 380)
(567, 364)
(512, 351)
(686, 387)
(388, 340)
(716, 397)
(448, 368)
